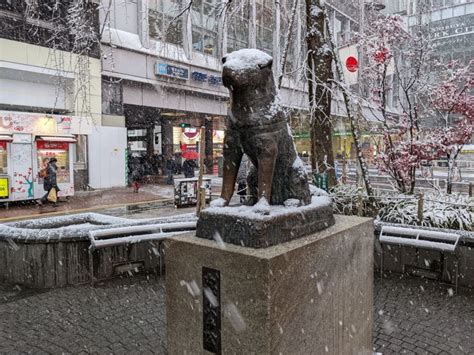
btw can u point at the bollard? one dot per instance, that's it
(360, 203)
(420, 208)
(471, 189)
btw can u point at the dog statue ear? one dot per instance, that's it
(268, 65)
(224, 58)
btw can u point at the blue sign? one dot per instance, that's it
(215, 80)
(198, 76)
(172, 71)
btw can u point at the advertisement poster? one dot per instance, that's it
(4, 189)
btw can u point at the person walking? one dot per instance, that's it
(188, 168)
(170, 168)
(136, 170)
(242, 179)
(49, 175)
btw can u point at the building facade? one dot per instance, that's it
(174, 84)
(50, 93)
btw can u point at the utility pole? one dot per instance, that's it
(201, 190)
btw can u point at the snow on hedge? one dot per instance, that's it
(440, 210)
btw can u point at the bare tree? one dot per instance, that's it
(320, 78)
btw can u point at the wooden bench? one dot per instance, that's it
(442, 242)
(105, 238)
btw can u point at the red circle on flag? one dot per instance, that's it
(352, 64)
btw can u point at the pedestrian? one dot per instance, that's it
(170, 168)
(49, 175)
(188, 168)
(137, 171)
(242, 179)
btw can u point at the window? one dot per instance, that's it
(204, 20)
(80, 158)
(165, 22)
(112, 103)
(265, 25)
(238, 27)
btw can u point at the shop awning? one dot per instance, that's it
(64, 139)
(190, 155)
(5, 138)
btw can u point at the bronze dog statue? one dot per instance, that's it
(258, 128)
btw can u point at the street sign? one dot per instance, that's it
(321, 181)
(352, 64)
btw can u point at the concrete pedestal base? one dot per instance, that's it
(311, 295)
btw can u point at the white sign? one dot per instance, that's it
(34, 123)
(350, 77)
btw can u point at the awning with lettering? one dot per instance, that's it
(5, 138)
(64, 139)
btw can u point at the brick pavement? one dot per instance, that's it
(119, 316)
(414, 316)
(128, 316)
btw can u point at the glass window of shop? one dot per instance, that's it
(3, 158)
(112, 97)
(80, 157)
(265, 25)
(204, 26)
(58, 150)
(165, 24)
(238, 26)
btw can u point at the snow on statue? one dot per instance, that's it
(257, 127)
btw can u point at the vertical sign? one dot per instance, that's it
(211, 310)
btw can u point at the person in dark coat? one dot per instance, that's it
(137, 171)
(170, 168)
(188, 168)
(50, 180)
(242, 179)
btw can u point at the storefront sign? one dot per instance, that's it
(3, 145)
(198, 76)
(34, 123)
(191, 133)
(52, 145)
(214, 80)
(171, 71)
(4, 189)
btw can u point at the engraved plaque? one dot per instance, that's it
(211, 304)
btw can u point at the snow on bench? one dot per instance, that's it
(420, 238)
(133, 234)
(443, 242)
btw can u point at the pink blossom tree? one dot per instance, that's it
(396, 79)
(452, 103)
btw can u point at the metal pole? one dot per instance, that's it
(420, 208)
(201, 202)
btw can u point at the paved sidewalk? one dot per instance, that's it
(97, 201)
(413, 316)
(121, 316)
(88, 201)
(128, 316)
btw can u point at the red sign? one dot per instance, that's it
(352, 64)
(52, 145)
(3, 145)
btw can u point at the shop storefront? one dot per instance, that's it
(185, 136)
(27, 142)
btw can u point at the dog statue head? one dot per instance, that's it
(246, 68)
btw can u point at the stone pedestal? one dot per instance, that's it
(312, 295)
